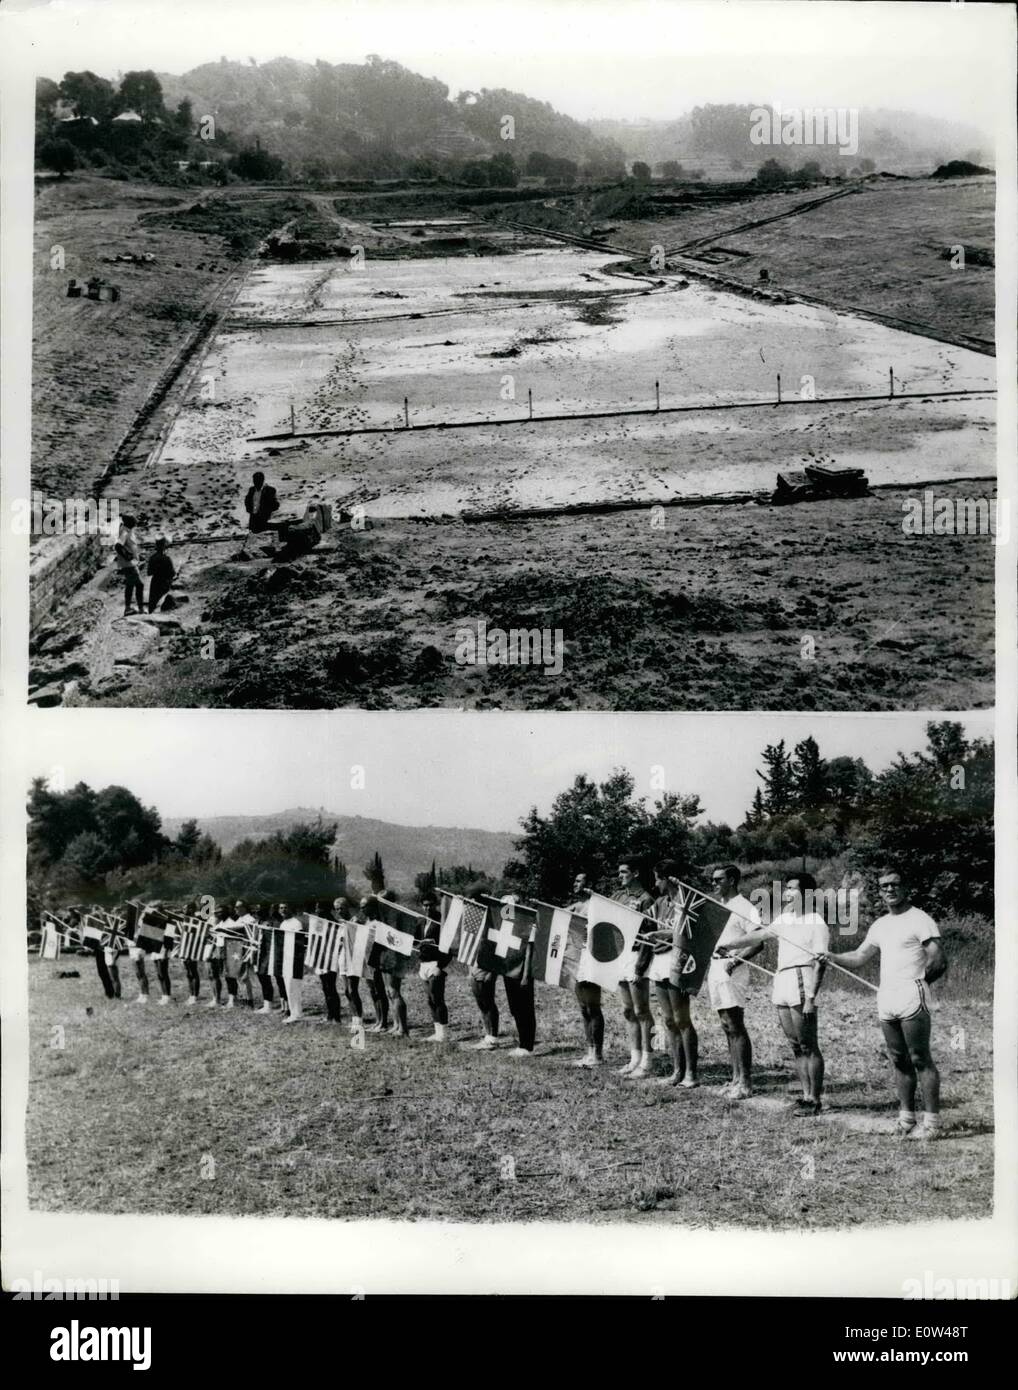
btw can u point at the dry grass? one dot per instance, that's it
(123, 1118)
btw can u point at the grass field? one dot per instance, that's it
(198, 1112)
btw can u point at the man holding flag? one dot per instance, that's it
(634, 986)
(433, 966)
(726, 978)
(911, 958)
(588, 995)
(803, 942)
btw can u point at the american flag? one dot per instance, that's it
(325, 944)
(471, 927)
(196, 941)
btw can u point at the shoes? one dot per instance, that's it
(231, 1002)
(689, 1083)
(672, 1079)
(191, 1001)
(294, 1018)
(164, 999)
(521, 1052)
(486, 1044)
(266, 1008)
(212, 1004)
(642, 1070)
(807, 1109)
(739, 1093)
(142, 999)
(923, 1131)
(630, 1066)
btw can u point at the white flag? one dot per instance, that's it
(393, 940)
(450, 925)
(608, 956)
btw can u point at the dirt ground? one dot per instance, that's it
(406, 1130)
(699, 608)
(827, 605)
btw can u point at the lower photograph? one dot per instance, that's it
(688, 974)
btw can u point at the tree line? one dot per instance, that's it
(931, 810)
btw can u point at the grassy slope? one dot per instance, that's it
(877, 250)
(300, 1124)
(94, 364)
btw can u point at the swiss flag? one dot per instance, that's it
(504, 936)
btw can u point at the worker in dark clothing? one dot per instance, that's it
(161, 575)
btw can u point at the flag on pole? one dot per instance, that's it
(472, 920)
(452, 917)
(284, 953)
(559, 940)
(611, 931)
(49, 941)
(697, 922)
(356, 945)
(151, 931)
(325, 945)
(197, 941)
(395, 933)
(505, 936)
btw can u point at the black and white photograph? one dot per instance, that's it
(685, 971)
(664, 378)
(509, 677)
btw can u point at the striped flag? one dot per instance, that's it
(611, 931)
(285, 954)
(151, 931)
(452, 917)
(197, 941)
(472, 923)
(325, 944)
(356, 945)
(559, 939)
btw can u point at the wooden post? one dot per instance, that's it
(530, 403)
(657, 395)
(892, 382)
(293, 422)
(406, 412)
(779, 388)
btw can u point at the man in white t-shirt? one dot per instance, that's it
(911, 958)
(803, 941)
(727, 977)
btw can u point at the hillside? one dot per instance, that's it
(406, 850)
(371, 119)
(719, 135)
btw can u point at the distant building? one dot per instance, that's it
(125, 117)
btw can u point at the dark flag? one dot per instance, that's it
(505, 936)
(697, 921)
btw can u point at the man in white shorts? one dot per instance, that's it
(911, 958)
(634, 987)
(803, 941)
(673, 1001)
(727, 978)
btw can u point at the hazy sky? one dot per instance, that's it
(589, 58)
(482, 770)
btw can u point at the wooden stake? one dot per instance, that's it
(657, 395)
(779, 388)
(892, 382)
(530, 403)
(293, 424)
(406, 412)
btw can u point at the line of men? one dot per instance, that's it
(905, 937)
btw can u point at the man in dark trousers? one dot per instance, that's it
(260, 501)
(161, 574)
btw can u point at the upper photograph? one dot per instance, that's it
(389, 363)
